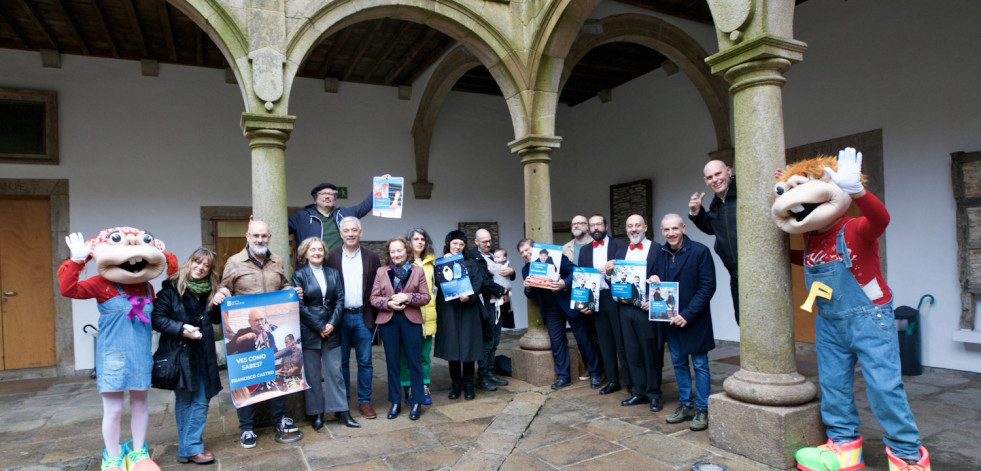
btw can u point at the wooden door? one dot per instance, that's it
(27, 333)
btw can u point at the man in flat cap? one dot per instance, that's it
(322, 219)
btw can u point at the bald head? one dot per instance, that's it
(673, 230)
(483, 240)
(717, 177)
(257, 237)
(636, 228)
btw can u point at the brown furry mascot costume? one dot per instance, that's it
(855, 318)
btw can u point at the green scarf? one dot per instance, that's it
(199, 287)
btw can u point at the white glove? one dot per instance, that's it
(77, 246)
(849, 174)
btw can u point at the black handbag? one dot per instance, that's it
(167, 367)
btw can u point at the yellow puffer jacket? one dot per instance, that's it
(428, 265)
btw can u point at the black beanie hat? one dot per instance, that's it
(457, 234)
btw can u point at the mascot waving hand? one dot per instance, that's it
(855, 318)
(126, 260)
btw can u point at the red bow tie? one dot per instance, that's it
(638, 246)
(597, 243)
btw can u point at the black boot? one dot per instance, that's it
(455, 390)
(485, 385)
(468, 392)
(345, 418)
(415, 412)
(317, 421)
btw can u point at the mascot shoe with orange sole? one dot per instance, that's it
(831, 457)
(138, 460)
(899, 464)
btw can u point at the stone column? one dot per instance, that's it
(768, 410)
(267, 137)
(532, 361)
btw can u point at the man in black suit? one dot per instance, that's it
(357, 266)
(607, 318)
(490, 324)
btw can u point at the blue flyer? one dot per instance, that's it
(263, 346)
(663, 301)
(451, 273)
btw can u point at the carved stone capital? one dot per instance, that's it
(267, 130)
(756, 49)
(535, 148)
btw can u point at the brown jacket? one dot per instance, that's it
(243, 276)
(415, 288)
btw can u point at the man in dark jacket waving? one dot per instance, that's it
(690, 332)
(720, 220)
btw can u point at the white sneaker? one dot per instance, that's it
(286, 425)
(247, 439)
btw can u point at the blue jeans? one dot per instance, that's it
(190, 412)
(703, 380)
(869, 337)
(355, 334)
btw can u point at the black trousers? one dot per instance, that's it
(734, 288)
(643, 343)
(610, 338)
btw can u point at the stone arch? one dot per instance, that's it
(456, 63)
(457, 19)
(228, 34)
(674, 44)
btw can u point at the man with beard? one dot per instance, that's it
(580, 238)
(720, 220)
(607, 319)
(689, 333)
(643, 340)
(257, 270)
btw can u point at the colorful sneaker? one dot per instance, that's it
(116, 463)
(898, 464)
(286, 425)
(681, 414)
(428, 400)
(247, 439)
(831, 457)
(138, 460)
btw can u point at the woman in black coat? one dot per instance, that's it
(183, 313)
(321, 311)
(459, 333)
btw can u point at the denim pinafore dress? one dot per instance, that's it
(123, 359)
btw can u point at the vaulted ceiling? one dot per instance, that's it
(385, 51)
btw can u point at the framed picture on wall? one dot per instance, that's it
(636, 197)
(28, 126)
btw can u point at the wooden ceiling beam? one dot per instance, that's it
(333, 48)
(365, 42)
(168, 30)
(134, 23)
(431, 58)
(417, 46)
(72, 26)
(388, 50)
(19, 35)
(35, 18)
(105, 28)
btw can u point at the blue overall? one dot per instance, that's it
(123, 359)
(851, 327)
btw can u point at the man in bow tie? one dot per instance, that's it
(720, 220)
(643, 340)
(607, 319)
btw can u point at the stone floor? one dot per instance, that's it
(55, 424)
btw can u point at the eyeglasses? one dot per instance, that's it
(580, 223)
(327, 193)
(260, 236)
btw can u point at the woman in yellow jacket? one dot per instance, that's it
(422, 255)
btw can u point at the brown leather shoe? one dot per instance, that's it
(367, 411)
(201, 458)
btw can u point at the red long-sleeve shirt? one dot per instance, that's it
(862, 238)
(95, 286)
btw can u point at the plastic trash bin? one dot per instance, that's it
(908, 330)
